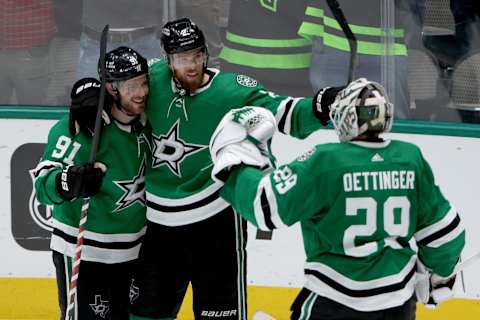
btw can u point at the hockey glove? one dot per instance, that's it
(432, 289)
(322, 101)
(83, 109)
(79, 181)
(242, 137)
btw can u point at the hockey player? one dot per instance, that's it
(193, 236)
(116, 215)
(369, 208)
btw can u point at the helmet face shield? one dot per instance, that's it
(190, 58)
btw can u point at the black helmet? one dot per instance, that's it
(181, 35)
(123, 63)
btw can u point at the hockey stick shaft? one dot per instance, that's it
(70, 312)
(467, 263)
(352, 40)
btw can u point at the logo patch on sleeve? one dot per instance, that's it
(246, 81)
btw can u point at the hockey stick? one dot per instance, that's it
(352, 40)
(261, 315)
(467, 263)
(72, 293)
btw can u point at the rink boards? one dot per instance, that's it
(27, 288)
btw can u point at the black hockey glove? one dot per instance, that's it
(83, 109)
(322, 101)
(79, 181)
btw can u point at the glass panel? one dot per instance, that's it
(425, 52)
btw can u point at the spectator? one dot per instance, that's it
(132, 24)
(26, 29)
(272, 52)
(381, 56)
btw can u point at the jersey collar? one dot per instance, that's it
(371, 145)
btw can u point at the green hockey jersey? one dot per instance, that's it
(367, 211)
(116, 215)
(178, 184)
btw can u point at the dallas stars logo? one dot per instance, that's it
(134, 190)
(100, 307)
(170, 150)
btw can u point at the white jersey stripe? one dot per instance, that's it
(188, 216)
(95, 254)
(439, 225)
(448, 237)
(187, 200)
(272, 203)
(368, 303)
(100, 237)
(362, 285)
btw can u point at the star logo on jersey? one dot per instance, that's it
(100, 307)
(134, 190)
(171, 151)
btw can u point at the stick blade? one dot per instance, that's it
(261, 315)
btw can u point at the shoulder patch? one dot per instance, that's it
(246, 81)
(306, 155)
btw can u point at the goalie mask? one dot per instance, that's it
(362, 107)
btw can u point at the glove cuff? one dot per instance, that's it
(322, 101)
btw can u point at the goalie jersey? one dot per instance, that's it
(367, 211)
(116, 215)
(179, 188)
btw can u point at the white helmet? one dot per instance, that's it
(362, 106)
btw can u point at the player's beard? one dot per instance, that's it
(189, 82)
(131, 107)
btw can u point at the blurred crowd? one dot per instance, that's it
(425, 52)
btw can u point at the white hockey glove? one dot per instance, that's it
(432, 289)
(242, 137)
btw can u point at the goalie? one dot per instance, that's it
(369, 208)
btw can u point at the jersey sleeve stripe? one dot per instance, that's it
(451, 235)
(267, 214)
(285, 113)
(258, 209)
(439, 225)
(282, 115)
(441, 233)
(272, 201)
(44, 167)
